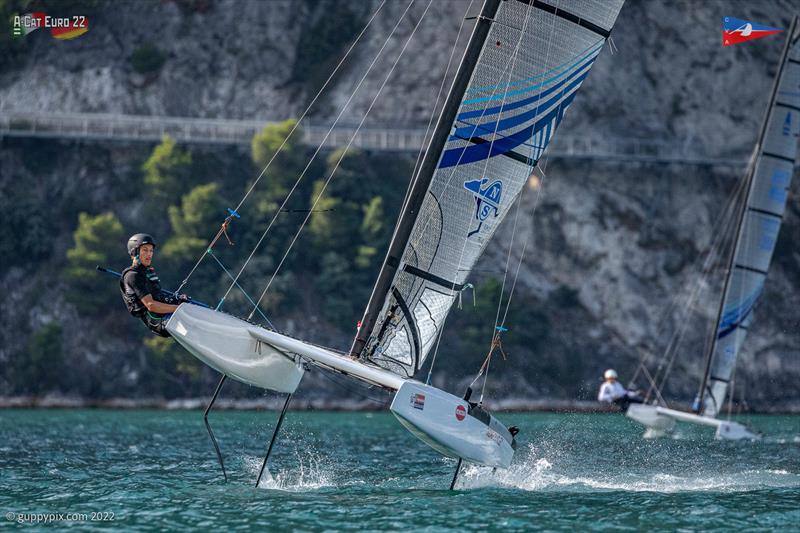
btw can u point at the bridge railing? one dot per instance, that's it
(104, 126)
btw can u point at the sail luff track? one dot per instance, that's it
(425, 174)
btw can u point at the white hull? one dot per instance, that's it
(450, 426)
(661, 420)
(224, 343)
(268, 359)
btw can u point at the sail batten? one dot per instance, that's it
(759, 226)
(521, 71)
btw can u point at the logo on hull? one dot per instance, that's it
(461, 413)
(487, 199)
(418, 401)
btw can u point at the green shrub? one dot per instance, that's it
(39, 367)
(99, 240)
(147, 59)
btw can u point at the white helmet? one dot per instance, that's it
(610, 374)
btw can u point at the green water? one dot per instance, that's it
(156, 471)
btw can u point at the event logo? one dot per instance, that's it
(61, 28)
(461, 413)
(487, 199)
(735, 31)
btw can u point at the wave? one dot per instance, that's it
(536, 473)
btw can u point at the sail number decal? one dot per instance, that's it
(487, 199)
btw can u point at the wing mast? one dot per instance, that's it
(425, 174)
(742, 212)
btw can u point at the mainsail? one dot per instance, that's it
(523, 67)
(776, 156)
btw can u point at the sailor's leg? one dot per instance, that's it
(272, 440)
(208, 427)
(455, 476)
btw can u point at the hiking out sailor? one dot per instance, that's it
(141, 288)
(612, 391)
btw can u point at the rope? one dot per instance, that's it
(422, 148)
(319, 148)
(508, 68)
(240, 288)
(421, 152)
(535, 205)
(223, 229)
(705, 267)
(499, 326)
(344, 152)
(670, 353)
(328, 374)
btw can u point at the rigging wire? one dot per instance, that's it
(439, 93)
(507, 69)
(234, 212)
(319, 148)
(496, 332)
(343, 153)
(705, 268)
(329, 375)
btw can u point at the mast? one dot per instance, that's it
(750, 179)
(425, 174)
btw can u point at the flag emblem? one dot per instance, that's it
(418, 401)
(735, 31)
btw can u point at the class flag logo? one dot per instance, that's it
(735, 31)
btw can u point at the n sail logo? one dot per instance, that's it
(487, 199)
(735, 31)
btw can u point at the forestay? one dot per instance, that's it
(527, 70)
(761, 222)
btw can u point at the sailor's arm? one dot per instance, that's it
(158, 307)
(603, 395)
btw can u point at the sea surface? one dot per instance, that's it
(157, 471)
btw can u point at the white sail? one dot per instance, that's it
(530, 67)
(761, 222)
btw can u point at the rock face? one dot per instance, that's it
(628, 240)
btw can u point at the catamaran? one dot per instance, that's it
(759, 220)
(520, 71)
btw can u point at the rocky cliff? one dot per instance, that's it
(613, 250)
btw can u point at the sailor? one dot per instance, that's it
(612, 391)
(141, 288)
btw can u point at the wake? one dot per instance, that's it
(533, 472)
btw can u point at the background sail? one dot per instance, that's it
(765, 206)
(532, 64)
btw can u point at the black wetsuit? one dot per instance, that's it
(136, 283)
(625, 401)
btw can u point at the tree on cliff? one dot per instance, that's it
(99, 240)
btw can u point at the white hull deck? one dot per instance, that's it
(224, 343)
(661, 420)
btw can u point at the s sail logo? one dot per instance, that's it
(487, 199)
(735, 31)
